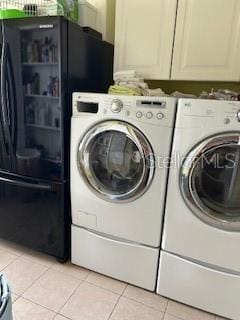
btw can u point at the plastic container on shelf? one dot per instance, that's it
(11, 13)
(5, 300)
(29, 8)
(28, 161)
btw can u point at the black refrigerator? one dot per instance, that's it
(43, 61)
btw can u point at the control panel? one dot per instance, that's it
(152, 110)
(147, 110)
(208, 113)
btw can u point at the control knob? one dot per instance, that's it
(116, 105)
(238, 116)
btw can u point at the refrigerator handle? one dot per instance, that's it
(5, 155)
(19, 183)
(4, 104)
(11, 97)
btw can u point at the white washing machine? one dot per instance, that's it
(200, 260)
(119, 151)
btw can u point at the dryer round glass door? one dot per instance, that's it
(210, 181)
(116, 161)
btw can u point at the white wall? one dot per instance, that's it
(106, 18)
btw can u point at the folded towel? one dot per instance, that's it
(125, 73)
(121, 90)
(154, 92)
(128, 78)
(142, 85)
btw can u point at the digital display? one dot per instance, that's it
(88, 107)
(152, 104)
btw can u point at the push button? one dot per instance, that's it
(139, 114)
(160, 116)
(149, 115)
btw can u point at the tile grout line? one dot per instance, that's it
(38, 304)
(167, 305)
(69, 275)
(146, 305)
(101, 287)
(34, 280)
(9, 263)
(122, 295)
(84, 280)
(180, 318)
(58, 314)
(115, 306)
(74, 291)
(11, 251)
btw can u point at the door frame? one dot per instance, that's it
(144, 147)
(189, 194)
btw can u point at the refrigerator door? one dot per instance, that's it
(31, 90)
(33, 213)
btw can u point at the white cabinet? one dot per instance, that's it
(207, 40)
(144, 36)
(179, 40)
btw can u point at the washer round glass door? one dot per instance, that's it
(210, 181)
(116, 161)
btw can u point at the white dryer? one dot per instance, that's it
(119, 151)
(200, 260)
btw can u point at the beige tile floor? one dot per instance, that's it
(45, 290)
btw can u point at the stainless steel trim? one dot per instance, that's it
(190, 195)
(143, 146)
(39, 186)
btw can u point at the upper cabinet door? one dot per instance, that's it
(144, 36)
(207, 40)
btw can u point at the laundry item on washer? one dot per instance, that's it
(221, 94)
(124, 90)
(179, 95)
(154, 92)
(128, 82)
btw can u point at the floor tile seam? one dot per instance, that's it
(168, 300)
(144, 304)
(16, 298)
(76, 278)
(29, 258)
(74, 291)
(104, 288)
(124, 290)
(7, 265)
(11, 252)
(32, 284)
(58, 314)
(114, 307)
(182, 318)
(38, 304)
